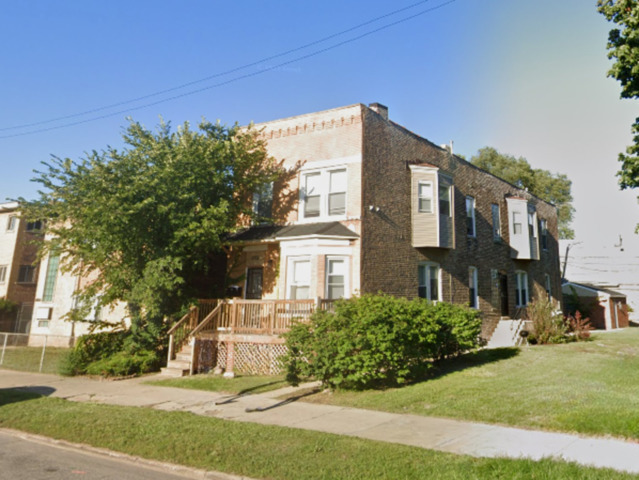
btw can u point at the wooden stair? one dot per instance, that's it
(181, 365)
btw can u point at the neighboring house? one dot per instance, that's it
(55, 298)
(372, 207)
(18, 267)
(610, 261)
(607, 309)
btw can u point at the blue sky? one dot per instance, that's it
(528, 78)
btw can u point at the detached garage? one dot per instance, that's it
(607, 309)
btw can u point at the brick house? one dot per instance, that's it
(18, 267)
(371, 207)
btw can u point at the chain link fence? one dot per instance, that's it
(33, 353)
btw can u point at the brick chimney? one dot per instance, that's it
(380, 109)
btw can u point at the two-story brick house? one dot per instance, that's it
(380, 209)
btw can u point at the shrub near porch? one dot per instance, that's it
(378, 340)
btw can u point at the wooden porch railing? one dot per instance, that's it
(244, 317)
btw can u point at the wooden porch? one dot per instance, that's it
(227, 327)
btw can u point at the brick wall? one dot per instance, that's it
(388, 260)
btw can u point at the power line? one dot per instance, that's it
(225, 73)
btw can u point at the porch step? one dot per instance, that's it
(173, 372)
(178, 363)
(506, 334)
(182, 356)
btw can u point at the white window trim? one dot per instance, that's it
(473, 280)
(439, 280)
(543, 234)
(325, 176)
(289, 274)
(519, 275)
(471, 211)
(347, 270)
(419, 197)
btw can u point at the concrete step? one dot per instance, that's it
(173, 372)
(183, 364)
(506, 334)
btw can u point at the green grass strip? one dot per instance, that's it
(256, 450)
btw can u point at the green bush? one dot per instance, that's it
(123, 363)
(378, 340)
(109, 354)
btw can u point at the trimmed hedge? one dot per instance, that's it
(375, 341)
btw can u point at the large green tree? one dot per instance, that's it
(623, 48)
(146, 223)
(554, 188)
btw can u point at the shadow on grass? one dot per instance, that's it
(247, 391)
(470, 360)
(22, 394)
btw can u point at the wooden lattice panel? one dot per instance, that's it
(259, 359)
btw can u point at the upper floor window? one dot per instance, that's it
(425, 197)
(444, 200)
(263, 202)
(521, 289)
(544, 234)
(531, 223)
(12, 223)
(517, 226)
(324, 193)
(3, 273)
(26, 274)
(337, 192)
(473, 299)
(470, 216)
(496, 222)
(34, 226)
(428, 279)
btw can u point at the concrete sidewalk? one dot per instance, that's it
(467, 438)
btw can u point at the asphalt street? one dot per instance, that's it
(24, 457)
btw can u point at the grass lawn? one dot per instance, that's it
(255, 450)
(216, 383)
(589, 387)
(27, 359)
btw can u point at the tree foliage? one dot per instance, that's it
(145, 223)
(623, 48)
(551, 187)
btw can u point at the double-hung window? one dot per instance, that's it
(470, 217)
(517, 226)
(428, 280)
(544, 234)
(335, 277)
(496, 222)
(12, 223)
(425, 197)
(521, 290)
(444, 200)
(324, 193)
(26, 274)
(473, 299)
(299, 278)
(263, 202)
(312, 194)
(548, 286)
(3, 273)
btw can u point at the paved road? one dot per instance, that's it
(25, 458)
